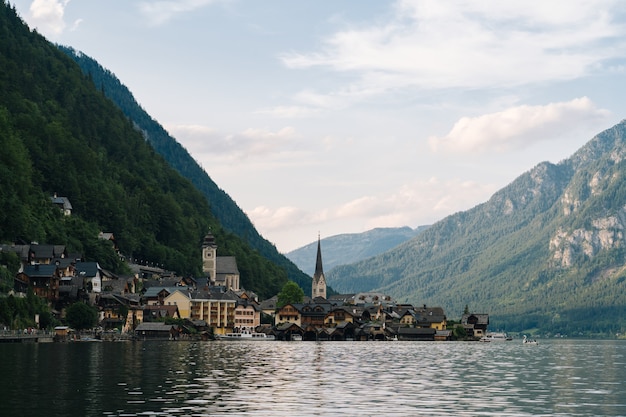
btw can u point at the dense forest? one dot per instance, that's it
(60, 134)
(230, 216)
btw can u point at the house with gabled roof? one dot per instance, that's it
(475, 325)
(289, 313)
(91, 273)
(43, 279)
(181, 299)
(63, 203)
(247, 315)
(340, 315)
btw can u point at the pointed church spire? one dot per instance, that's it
(319, 280)
(319, 270)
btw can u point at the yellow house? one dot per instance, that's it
(180, 298)
(217, 309)
(342, 315)
(289, 314)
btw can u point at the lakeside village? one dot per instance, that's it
(154, 303)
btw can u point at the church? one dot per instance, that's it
(319, 280)
(222, 271)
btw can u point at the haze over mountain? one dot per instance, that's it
(546, 251)
(349, 248)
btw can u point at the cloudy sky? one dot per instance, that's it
(341, 116)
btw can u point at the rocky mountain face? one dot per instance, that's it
(351, 247)
(545, 252)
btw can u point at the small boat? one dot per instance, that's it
(245, 336)
(496, 337)
(527, 341)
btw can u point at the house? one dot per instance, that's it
(157, 295)
(43, 279)
(289, 313)
(160, 312)
(113, 309)
(268, 307)
(247, 316)
(430, 318)
(288, 331)
(341, 315)
(63, 203)
(180, 298)
(343, 331)
(157, 330)
(91, 273)
(475, 325)
(314, 314)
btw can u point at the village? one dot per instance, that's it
(154, 303)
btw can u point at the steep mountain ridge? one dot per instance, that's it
(60, 134)
(545, 251)
(229, 214)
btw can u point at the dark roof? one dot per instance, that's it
(62, 201)
(480, 318)
(154, 326)
(319, 270)
(40, 270)
(415, 331)
(226, 265)
(214, 295)
(87, 269)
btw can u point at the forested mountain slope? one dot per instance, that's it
(349, 248)
(547, 251)
(60, 134)
(232, 218)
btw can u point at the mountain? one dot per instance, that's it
(227, 212)
(59, 134)
(545, 252)
(349, 248)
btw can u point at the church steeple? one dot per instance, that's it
(319, 280)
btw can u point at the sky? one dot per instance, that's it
(323, 118)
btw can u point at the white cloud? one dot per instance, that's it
(250, 143)
(159, 12)
(432, 44)
(289, 112)
(517, 127)
(47, 16)
(412, 204)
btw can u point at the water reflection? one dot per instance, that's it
(566, 378)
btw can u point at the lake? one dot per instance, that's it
(246, 378)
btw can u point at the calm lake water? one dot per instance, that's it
(555, 378)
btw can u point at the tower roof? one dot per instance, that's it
(319, 270)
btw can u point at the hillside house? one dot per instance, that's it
(63, 203)
(91, 273)
(42, 278)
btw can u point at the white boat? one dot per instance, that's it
(245, 336)
(496, 337)
(527, 341)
